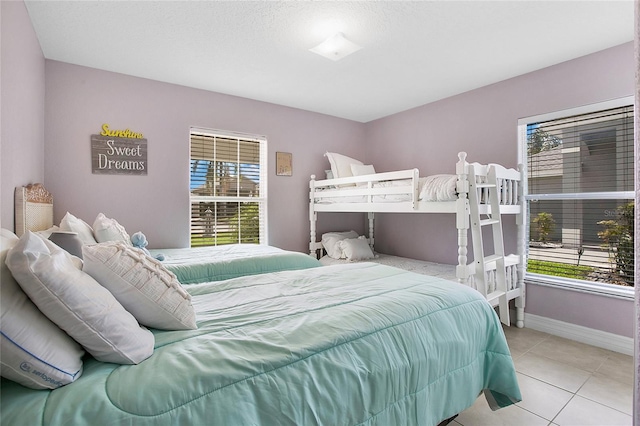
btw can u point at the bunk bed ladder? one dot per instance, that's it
(486, 193)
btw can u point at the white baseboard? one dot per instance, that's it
(590, 336)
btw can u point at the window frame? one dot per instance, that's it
(262, 199)
(603, 289)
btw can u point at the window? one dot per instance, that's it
(228, 185)
(580, 197)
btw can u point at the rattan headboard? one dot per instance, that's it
(33, 208)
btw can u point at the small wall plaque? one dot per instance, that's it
(284, 166)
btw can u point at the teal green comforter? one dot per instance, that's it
(203, 264)
(358, 344)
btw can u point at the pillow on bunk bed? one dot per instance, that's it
(440, 187)
(106, 229)
(77, 303)
(355, 249)
(341, 165)
(141, 284)
(35, 352)
(361, 170)
(73, 224)
(330, 242)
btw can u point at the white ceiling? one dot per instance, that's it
(413, 52)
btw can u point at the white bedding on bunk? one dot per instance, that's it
(431, 188)
(438, 188)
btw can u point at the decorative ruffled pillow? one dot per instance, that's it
(142, 284)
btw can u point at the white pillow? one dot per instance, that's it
(141, 284)
(71, 223)
(330, 242)
(355, 249)
(35, 352)
(77, 303)
(105, 229)
(362, 169)
(438, 188)
(341, 165)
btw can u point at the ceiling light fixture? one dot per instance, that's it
(336, 47)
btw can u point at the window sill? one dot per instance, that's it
(605, 290)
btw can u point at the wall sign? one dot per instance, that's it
(119, 152)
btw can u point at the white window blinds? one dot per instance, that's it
(580, 196)
(228, 189)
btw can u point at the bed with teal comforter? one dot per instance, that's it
(357, 344)
(202, 264)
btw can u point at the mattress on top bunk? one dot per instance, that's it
(216, 263)
(431, 188)
(343, 344)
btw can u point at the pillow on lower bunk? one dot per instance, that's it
(330, 242)
(77, 303)
(35, 352)
(141, 284)
(355, 249)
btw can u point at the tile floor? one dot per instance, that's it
(563, 383)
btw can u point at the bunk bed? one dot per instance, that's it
(478, 195)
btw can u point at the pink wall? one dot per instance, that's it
(599, 312)
(483, 123)
(79, 100)
(22, 107)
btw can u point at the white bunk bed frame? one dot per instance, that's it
(481, 190)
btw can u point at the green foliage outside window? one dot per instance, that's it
(558, 269)
(539, 141)
(618, 239)
(246, 223)
(545, 224)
